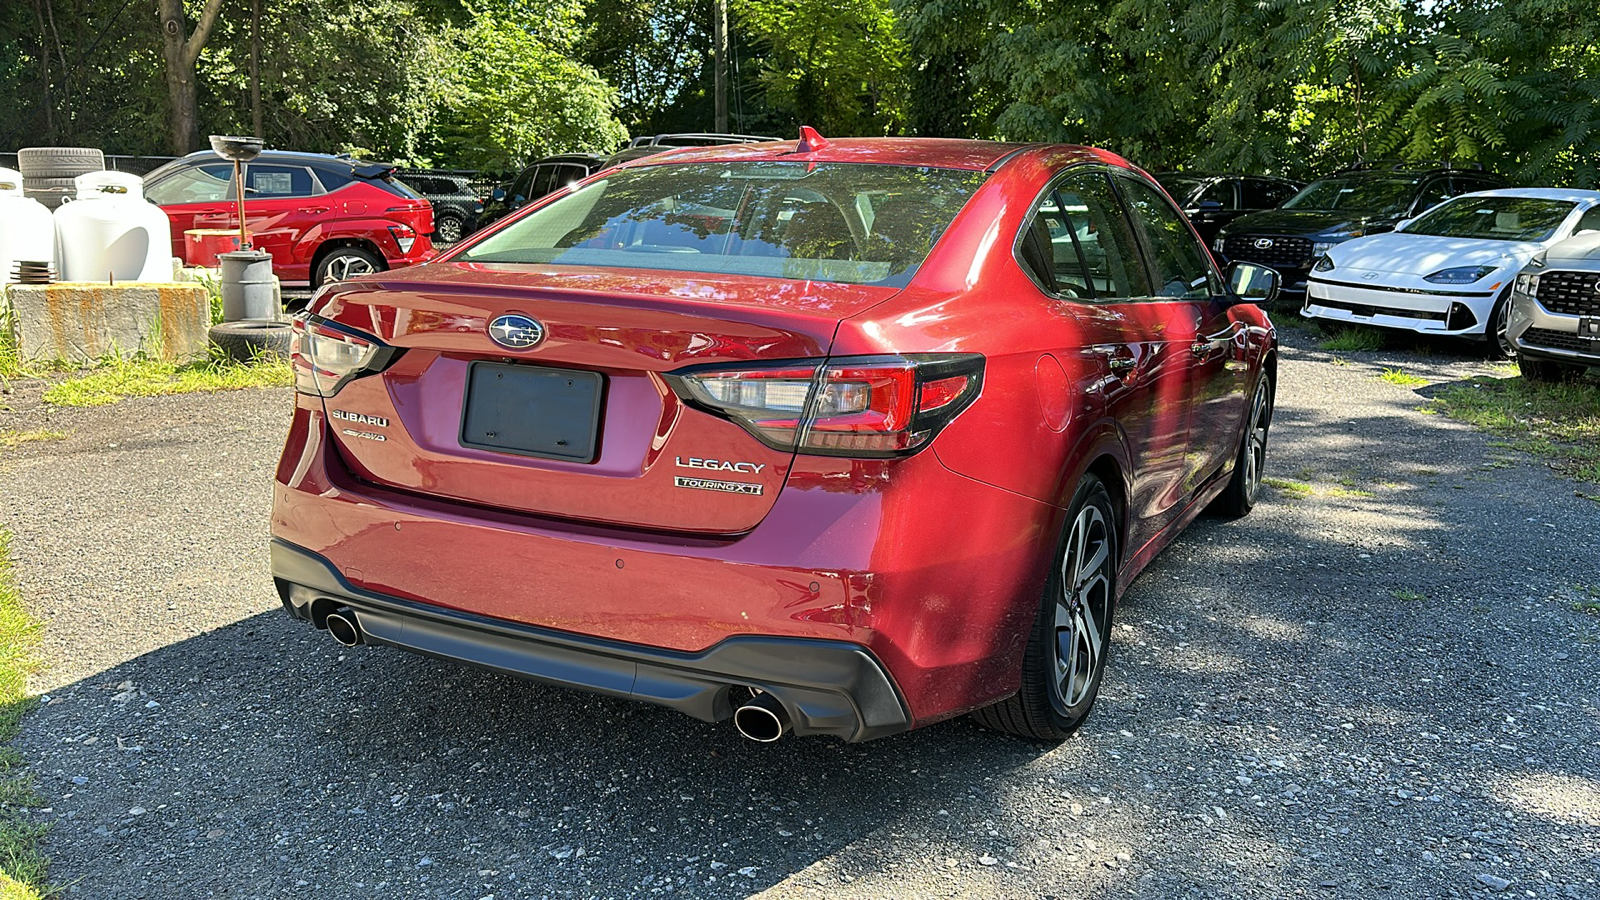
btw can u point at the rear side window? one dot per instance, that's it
(265, 181)
(1181, 269)
(840, 222)
(1107, 240)
(1050, 248)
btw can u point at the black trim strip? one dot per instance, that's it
(1399, 290)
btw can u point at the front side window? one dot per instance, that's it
(841, 222)
(1372, 196)
(1262, 194)
(192, 184)
(1220, 192)
(1181, 268)
(1590, 220)
(1494, 219)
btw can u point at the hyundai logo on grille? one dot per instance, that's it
(516, 331)
(1263, 243)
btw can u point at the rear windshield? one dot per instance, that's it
(1494, 218)
(840, 222)
(1374, 196)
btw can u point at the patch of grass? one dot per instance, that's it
(1348, 493)
(1353, 338)
(23, 866)
(1586, 606)
(1560, 422)
(1408, 595)
(1402, 378)
(1292, 488)
(116, 379)
(9, 439)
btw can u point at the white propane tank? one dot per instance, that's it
(26, 230)
(109, 233)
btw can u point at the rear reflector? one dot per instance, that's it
(847, 406)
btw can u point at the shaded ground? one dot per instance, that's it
(1382, 686)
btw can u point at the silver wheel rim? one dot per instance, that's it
(449, 231)
(1083, 608)
(1255, 454)
(346, 266)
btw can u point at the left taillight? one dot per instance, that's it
(871, 406)
(326, 355)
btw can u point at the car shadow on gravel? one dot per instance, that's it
(260, 759)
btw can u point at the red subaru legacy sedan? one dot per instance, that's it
(835, 438)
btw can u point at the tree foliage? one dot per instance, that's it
(1291, 86)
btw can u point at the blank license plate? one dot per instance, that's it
(532, 411)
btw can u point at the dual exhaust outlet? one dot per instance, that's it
(761, 719)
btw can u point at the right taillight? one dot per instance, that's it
(845, 406)
(324, 355)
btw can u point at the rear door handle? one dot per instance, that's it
(314, 210)
(1121, 363)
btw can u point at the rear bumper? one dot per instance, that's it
(828, 687)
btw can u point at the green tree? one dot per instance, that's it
(836, 64)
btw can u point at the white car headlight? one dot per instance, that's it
(1459, 275)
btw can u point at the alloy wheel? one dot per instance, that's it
(345, 266)
(1083, 608)
(1255, 452)
(448, 230)
(1502, 331)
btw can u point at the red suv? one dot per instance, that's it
(323, 218)
(839, 438)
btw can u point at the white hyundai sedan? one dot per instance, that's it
(1450, 270)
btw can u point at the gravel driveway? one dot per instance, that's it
(1382, 686)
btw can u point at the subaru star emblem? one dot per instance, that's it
(516, 331)
(1263, 243)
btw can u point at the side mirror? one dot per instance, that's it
(1212, 206)
(498, 195)
(1252, 283)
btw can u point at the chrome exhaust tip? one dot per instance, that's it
(343, 627)
(763, 719)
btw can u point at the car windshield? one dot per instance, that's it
(842, 222)
(1372, 196)
(1494, 218)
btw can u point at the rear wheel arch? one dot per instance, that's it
(1106, 468)
(332, 245)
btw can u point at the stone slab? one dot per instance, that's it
(85, 322)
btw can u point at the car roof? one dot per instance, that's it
(937, 153)
(1568, 194)
(283, 156)
(587, 158)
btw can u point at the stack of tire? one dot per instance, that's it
(47, 172)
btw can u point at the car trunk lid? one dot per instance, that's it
(612, 444)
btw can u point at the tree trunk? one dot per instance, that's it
(181, 50)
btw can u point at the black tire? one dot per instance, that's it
(1047, 707)
(345, 262)
(52, 192)
(1239, 497)
(1548, 371)
(1495, 334)
(449, 229)
(248, 339)
(59, 162)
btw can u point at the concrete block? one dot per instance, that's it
(84, 322)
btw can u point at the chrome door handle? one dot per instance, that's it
(1121, 363)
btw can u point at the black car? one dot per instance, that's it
(541, 177)
(1212, 201)
(1360, 200)
(456, 209)
(650, 145)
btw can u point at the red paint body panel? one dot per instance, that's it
(934, 561)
